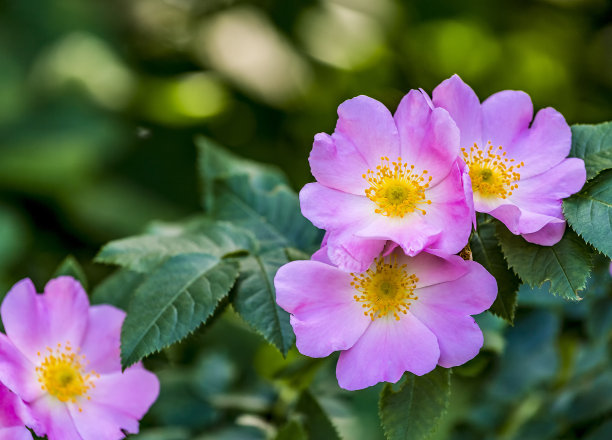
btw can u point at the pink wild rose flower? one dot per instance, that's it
(387, 177)
(61, 357)
(401, 314)
(14, 416)
(518, 168)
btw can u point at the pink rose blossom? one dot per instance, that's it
(402, 314)
(382, 177)
(61, 357)
(518, 168)
(14, 416)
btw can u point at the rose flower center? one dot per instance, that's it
(386, 289)
(62, 374)
(491, 172)
(395, 189)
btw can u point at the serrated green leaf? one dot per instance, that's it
(414, 411)
(273, 215)
(255, 298)
(215, 161)
(486, 251)
(316, 422)
(292, 430)
(205, 236)
(589, 213)
(172, 301)
(71, 267)
(566, 265)
(593, 144)
(117, 289)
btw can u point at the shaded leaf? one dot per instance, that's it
(566, 265)
(173, 301)
(486, 251)
(215, 161)
(255, 298)
(292, 430)
(590, 213)
(593, 144)
(273, 215)
(205, 236)
(316, 422)
(117, 289)
(71, 267)
(414, 411)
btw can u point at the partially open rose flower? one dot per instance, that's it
(519, 170)
(382, 177)
(401, 314)
(61, 357)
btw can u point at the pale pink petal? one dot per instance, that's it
(429, 139)
(370, 127)
(15, 433)
(66, 305)
(13, 412)
(549, 235)
(331, 209)
(101, 344)
(386, 350)
(464, 107)
(469, 294)
(336, 163)
(131, 392)
(95, 422)
(322, 256)
(17, 372)
(25, 319)
(505, 116)
(352, 253)
(325, 316)
(54, 418)
(459, 336)
(544, 145)
(431, 269)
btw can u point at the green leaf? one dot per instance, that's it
(215, 162)
(486, 251)
(414, 411)
(173, 301)
(117, 289)
(292, 430)
(71, 267)
(273, 215)
(255, 298)
(590, 213)
(316, 422)
(205, 236)
(566, 265)
(593, 144)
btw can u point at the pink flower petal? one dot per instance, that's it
(464, 107)
(505, 116)
(15, 433)
(549, 235)
(386, 350)
(352, 253)
(96, 422)
(17, 372)
(55, 419)
(544, 145)
(432, 269)
(370, 127)
(325, 316)
(13, 412)
(101, 344)
(336, 163)
(429, 139)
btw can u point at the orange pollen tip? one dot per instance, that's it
(385, 289)
(491, 171)
(396, 189)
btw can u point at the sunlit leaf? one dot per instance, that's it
(173, 301)
(414, 411)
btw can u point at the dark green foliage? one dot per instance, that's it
(593, 144)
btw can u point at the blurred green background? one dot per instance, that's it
(100, 102)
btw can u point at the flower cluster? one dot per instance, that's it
(397, 196)
(60, 372)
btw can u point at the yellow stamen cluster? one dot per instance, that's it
(386, 289)
(62, 374)
(395, 189)
(492, 173)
